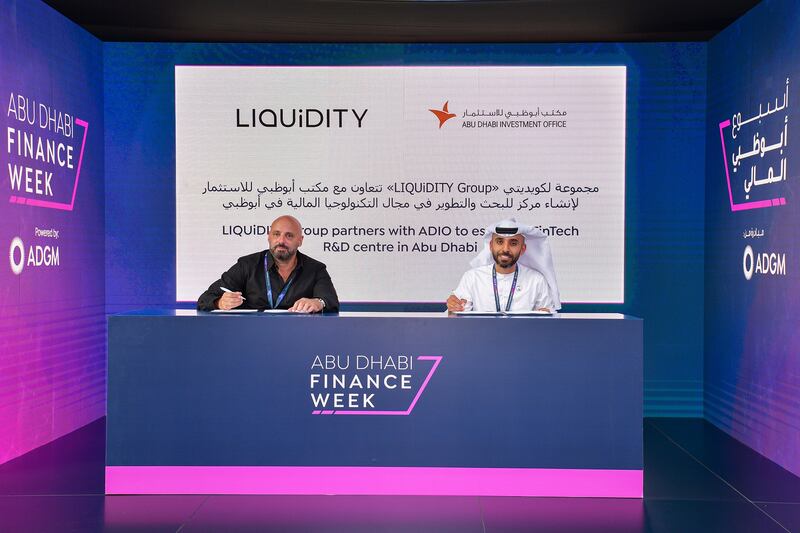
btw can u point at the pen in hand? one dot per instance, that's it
(228, 290)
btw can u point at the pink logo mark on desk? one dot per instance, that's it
(436, 360)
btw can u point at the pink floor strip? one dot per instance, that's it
(424, 481)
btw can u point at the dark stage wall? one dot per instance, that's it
(665, 155)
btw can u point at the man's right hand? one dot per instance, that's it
(454, 303)
(230, 300)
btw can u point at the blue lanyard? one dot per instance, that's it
(282, 295)
(497, 295)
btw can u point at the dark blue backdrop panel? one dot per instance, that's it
(509, 392)
(666, 93)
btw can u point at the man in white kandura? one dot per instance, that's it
(514, 272)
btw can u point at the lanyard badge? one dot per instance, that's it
(497, 294)
(282, 295)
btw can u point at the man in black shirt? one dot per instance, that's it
(278, 278)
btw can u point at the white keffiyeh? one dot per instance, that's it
(537, 256)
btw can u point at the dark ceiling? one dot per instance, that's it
(403, 20)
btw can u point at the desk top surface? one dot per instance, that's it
(377, 314)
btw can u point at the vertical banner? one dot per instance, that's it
(752, 368)
(52, 282)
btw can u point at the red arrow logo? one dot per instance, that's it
(443, 115)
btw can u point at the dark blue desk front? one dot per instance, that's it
(374, 403)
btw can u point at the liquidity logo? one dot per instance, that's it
(299, 118)
(443, 115)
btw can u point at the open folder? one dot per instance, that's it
(270, 311)
(504, 313)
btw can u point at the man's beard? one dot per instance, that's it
(281, 253)
(505, 260)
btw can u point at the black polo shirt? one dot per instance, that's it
(248, 275)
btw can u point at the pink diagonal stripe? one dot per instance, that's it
(758, 204)
(754, 205)
(59, 205)
(85, 125)
(47, 204)
(722, 126)
(437, 359)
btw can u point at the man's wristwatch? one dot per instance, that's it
(320, 300)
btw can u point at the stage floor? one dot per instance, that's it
(696, 479)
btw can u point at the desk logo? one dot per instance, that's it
(388, 385)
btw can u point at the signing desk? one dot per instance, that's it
(374, 403)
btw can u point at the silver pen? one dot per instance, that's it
(228, 290)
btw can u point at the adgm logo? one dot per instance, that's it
(17, 249)
(38, 256)
(764, 263)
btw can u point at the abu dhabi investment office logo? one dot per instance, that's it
(503, 118)
(361, 384)
(443, 114)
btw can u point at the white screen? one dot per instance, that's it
(545, 145)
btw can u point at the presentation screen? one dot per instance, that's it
(395, 171)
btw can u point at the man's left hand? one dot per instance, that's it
(306, 305)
